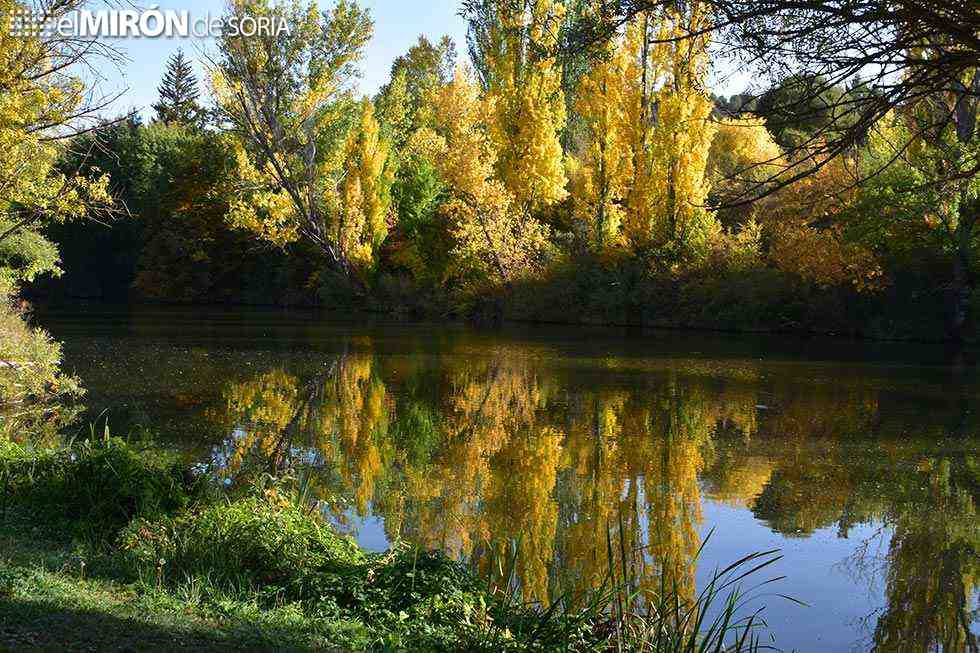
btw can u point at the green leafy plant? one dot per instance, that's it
(97, 486)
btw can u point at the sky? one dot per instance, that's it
(397, 25)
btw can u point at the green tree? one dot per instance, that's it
(415, 75)
(419, 242)
(178, 103)
(122, 152)
(921, 199)
(175, 244)
(801, 107)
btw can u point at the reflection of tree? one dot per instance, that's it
(742, 480)
(934, 564)
(334, 420)
(594, 488)
(260, 410)
(636, 459)
(813, 480)
(520, 507)
(682, 423)
(491, 482)
(353, 423)
(500, 455)
(826, 470)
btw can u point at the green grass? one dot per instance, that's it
(49, 601)
(96, 487)
(109, 545)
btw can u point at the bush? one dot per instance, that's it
(98, 486)
(272, 550)
(257, 541)
(36, 398)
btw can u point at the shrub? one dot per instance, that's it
(256, 541)
(36, 398)
(270, 549)
(99, 486)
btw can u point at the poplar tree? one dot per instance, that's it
(513, 44)
(641, 178)
(364, 196)
(487, 222)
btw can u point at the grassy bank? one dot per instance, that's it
(49, 600)
(107, 544)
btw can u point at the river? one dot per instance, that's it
(858, 461)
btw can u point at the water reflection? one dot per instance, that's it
(486, 457)
(483, 447)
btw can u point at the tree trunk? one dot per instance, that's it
(963, 285)
(960, 294)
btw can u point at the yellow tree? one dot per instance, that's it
(743, 151)
(641, 179)
(806, 229)
(364, 196)
(669, 134)
(601, 170)
(513, 43)
(487, 223)
(742, 159)
(42, 102)
(285, 93)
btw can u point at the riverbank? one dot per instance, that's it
(48, 601)
(111, 544)
(754, 300)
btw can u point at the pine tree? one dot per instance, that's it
(178, 94)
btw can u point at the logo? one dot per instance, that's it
(132, 23)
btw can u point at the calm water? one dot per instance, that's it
(860, 462)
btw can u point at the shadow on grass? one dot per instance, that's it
(42, 626)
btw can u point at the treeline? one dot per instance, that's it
(172, 243)
(536, 181)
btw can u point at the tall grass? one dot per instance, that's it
(619, 614)
(97, 486)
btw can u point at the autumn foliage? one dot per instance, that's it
(529, 179)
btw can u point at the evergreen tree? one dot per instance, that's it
(178, 94)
